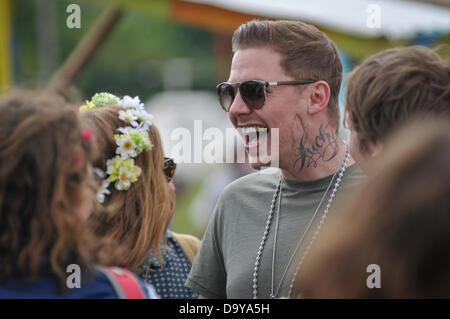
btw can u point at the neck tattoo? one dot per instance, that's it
(324, 147)
(277, 195)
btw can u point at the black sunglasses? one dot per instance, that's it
(253, 92)
(169, 168)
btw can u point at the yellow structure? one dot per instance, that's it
(5, 44)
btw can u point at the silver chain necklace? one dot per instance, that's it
(278, 191)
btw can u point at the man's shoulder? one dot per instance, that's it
(256, 181)
(354, 176)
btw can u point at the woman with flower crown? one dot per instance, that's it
(137, 199)
(46, 197)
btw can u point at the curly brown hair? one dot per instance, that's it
(44, 180)
(136, 220)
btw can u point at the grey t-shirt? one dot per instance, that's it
(226, 260)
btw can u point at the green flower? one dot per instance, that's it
(104, 98)
(99, 100)
(142, 141)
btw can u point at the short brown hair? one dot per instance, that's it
(44, 177)
(306, 52)
(393, 85)
(135, 220)
(399, 219)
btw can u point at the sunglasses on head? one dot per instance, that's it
(253, 92)
(169, 168)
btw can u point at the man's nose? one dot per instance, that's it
(238, 107)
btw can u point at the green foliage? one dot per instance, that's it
(131, 59)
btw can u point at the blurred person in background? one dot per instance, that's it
(286, 76)
(398, 221)
(387, 90)
(138, 197)
(46, 196)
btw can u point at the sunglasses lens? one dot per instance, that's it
(169, 168)
(226, 95)
(253, 94)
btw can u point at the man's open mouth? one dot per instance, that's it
(253, 134)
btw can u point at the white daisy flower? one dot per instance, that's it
(146, 125)
(144, 116)
(129, 116)
(130, 131)
(126, 130)
(123, 183)
(129, 102)
(126, 148)
(100, 197)
(103, 191)
(98, 172)
(110, 165)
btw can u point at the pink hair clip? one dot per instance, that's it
(87, 135)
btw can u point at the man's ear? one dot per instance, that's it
(319, 97)
(375, 148)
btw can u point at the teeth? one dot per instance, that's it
(262, 133)
(254, 133)
(254, 129)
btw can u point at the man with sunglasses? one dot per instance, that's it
(285, 76)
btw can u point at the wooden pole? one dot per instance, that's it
(85, 50)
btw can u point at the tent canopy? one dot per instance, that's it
(398, 19)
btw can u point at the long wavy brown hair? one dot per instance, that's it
(44, 181)
(134, 221)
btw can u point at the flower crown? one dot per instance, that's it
(131, 140)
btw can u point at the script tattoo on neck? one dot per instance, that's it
(325, 147)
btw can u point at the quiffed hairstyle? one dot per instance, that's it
(306, 52)
(136, 220)
(44, 180)
(399, 220)
(391, 86)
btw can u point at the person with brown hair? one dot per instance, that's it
(138, 197)
(46, 196)
(391, 238)
(388, 89)
(284, 81)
